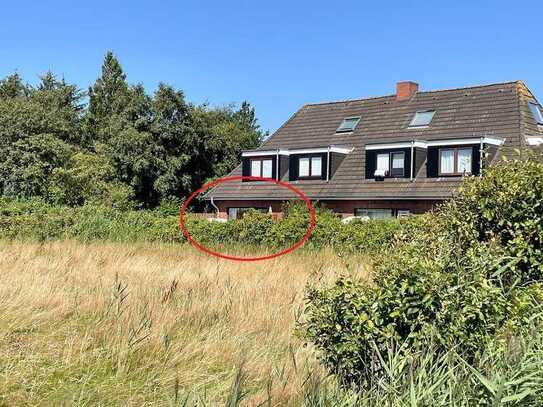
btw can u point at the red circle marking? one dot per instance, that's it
(211, 184)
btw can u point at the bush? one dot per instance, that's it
(470, 272)
(434, 378)
(37, 220)
(373, 236)
(504, 208)
(295, 224)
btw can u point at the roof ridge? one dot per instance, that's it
(348, 100)
(471, 87)
(418, 92)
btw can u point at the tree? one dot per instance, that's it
(109, 95)
(143, 147)
(38, 129)
(12, 86)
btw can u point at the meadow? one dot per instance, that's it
(106, 307)
(154, 324)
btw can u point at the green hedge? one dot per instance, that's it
(35, 220)
(468, 274)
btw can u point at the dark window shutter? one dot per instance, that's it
(245, 167)
(324, 162)
(407, 164)
(432, 162)
(371, 163)
(274, 168)
(293, 168)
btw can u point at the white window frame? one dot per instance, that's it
(307, 169)
(260, 164)
(366, 211)
(310, 161)
(315, 159)
(390, 162)
(385, 168)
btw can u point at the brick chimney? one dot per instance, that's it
(406, 89)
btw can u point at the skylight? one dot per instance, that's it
(536, 111)
(422, 118)
(348, 124)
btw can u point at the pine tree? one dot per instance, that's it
(13, 86)
(110, 93)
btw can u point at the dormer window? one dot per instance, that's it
(261, 167)
(422, 118)
(455, 161)
(348, 124)
(536, 112)
(310, 167)
(383, 164)
(390, 164)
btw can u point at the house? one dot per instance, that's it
(385, 156)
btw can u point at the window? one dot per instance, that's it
(316, 166)
(536, 111)
(383, 162)
(237, 213)
(374, 213)
(256, 166)
(393, 164)
(398, 160)
(262, 168)
(310, 167)
(267, 168)
(464, 160)
(304, 167)
(348, 124)
(422, 118)
(455, 161)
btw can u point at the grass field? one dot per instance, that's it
(114, 324)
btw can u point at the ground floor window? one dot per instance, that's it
(374, 213)
(237, 213)
(382, 213)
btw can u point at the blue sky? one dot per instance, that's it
(278, 54)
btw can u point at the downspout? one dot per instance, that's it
(412, 158)
(215, 206)
(328, 165)
(481, 158)
(277, 165)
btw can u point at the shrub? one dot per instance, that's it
(251, 229)
(505, 208)
(296, 222)
(373, 236)
(35, 219)
(456, 278)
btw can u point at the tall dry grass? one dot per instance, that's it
(116, 324)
